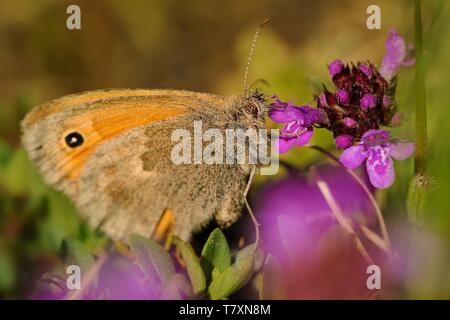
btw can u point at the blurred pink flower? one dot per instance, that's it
(299, 229)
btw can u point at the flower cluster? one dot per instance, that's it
(362, 102)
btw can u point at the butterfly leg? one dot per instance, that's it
(249, 209)
(164, 230)
(164, 227)
(123, 249)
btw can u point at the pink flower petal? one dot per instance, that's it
(295, 114)
(380, 168)
(304, 138)
(278, 115)
(285, 144)
(353, 157)
(290, 113)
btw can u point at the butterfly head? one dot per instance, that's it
(254, 107)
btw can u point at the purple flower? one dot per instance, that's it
(376, 148)
(368, 102)
(295, 203)
(299, 121)
(397, 53)
(343, 97)
(300, 230)
(349, 122)
(357, 88)
(362, 86)
(344, 141)
(335, 67)
(366, 70)
(118, 279)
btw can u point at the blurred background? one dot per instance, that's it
(203, 46)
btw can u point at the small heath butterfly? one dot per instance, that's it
(110, 152)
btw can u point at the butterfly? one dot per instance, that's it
(109, 151)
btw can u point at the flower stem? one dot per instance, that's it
(420, 164)
(342, 220)
(420, 184)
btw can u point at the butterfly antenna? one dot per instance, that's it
(250, 56)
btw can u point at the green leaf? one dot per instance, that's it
(215, 254)
(273, 286)
(245, 252)
(153, 260)
(232, 279)
(194, 270)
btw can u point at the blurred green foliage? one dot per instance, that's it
(202, 45)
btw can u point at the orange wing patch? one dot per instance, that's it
(100, 125)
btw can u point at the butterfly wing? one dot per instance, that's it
(122, 176)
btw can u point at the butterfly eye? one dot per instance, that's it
(252, 109)
(74, 139)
